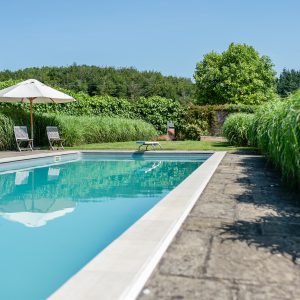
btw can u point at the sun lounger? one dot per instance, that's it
(154, 166)
(149, 143)
(21, 177)
(53, 174)
(54, 137)
(21, 135)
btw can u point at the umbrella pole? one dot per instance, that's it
(31, 117)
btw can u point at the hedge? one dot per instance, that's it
(204, 118)
(155, 110)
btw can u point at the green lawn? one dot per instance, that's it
(167, 145)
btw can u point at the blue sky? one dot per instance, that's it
(169, 36)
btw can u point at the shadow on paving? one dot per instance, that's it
(278, 228)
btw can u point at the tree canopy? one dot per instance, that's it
(238, 75)
(288, 82)
(122, 83)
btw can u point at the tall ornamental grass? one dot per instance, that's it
(6, 132)
(236, 128)
(276, 131)
(76, 130)
(86, 130)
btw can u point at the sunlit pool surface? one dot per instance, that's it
(57, 215)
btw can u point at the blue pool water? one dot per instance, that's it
(57, 214)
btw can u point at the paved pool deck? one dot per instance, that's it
(240, 241)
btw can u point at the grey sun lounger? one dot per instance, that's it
(54, 137)
(148, 143)
(21, 136)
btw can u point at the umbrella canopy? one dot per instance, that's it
(33, 91)
(35, 212)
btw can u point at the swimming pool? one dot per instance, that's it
(59, 212)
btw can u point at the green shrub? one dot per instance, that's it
(8, 83)
(243, 108)
(202, 116)
(158, 111)
(236, 128)
(86, 105)
(191, 132)
(276, 131)
(205, 116)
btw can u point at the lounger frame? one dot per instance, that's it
(147, 144)
(54, 138)
(21, 136)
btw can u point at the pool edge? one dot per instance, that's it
(118, 272)
(33, 155)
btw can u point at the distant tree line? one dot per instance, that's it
(122, 83)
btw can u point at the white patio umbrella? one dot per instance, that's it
(33, 91)
(36, 211)
(34, 219)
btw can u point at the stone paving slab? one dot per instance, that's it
(239, 261)
(187, 256)
(179, 287)
(241, 240)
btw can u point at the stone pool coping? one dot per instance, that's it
(121, 269)
(32, 155)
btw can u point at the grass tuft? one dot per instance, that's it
(236, 129)
(6, 133)
(276, 131)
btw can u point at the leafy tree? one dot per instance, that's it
(288, 82)
(238, 75)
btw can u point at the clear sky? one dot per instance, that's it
(169, 36)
